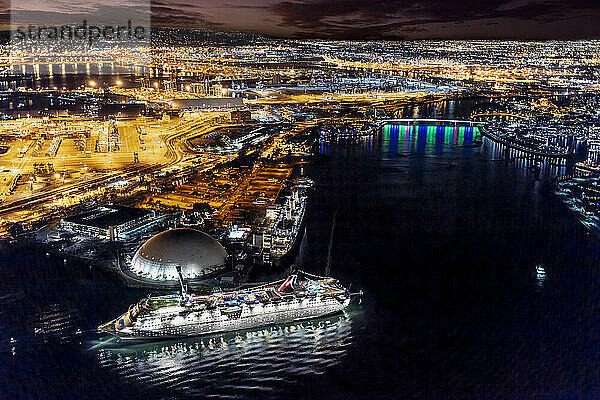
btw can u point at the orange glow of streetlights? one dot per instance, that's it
(93, 83)
(119, 82)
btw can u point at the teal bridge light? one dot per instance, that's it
(412, 138)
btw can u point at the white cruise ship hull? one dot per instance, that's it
(174, 323)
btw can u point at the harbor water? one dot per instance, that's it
(444, 244)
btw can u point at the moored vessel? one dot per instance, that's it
(300, 296)
(287, 230)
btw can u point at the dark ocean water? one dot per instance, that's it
(76, 76)
(444, 245)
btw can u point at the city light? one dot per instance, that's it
(193, 196)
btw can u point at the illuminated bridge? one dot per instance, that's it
(421, 138)
(428, 135)
(418, 134)
(429, 121)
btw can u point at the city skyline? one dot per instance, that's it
(299, 199)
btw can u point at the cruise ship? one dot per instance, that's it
(287, 230)
(300, 296)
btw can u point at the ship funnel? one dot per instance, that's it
(289, 283)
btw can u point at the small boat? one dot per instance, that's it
(540, 270)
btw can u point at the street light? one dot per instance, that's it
(93, 83)
(119, 82)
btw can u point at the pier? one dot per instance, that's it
(515, 150)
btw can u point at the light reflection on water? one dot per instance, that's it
(234, 364)
(431, 139)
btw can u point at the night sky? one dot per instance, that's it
(381, 19)
(360, 19)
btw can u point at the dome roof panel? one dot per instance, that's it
(196, 252)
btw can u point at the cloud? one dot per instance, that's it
(391, 17)
(355, 19)
(179, 14)
(59, 12)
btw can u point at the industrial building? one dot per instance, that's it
(208, 103)
(239, 116)
(111, 222)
